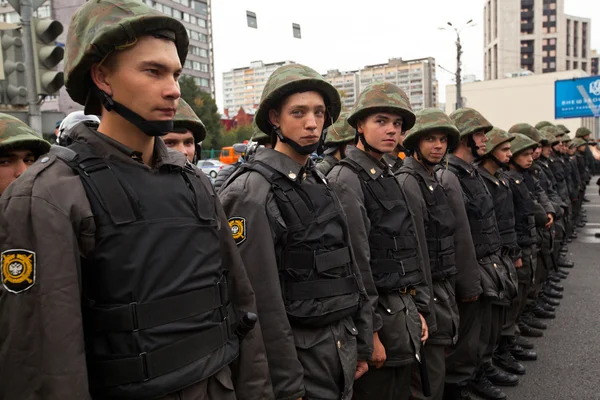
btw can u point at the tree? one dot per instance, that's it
(237, 135)
(205, 107)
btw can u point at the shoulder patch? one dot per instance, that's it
(238, 229)
(18, 270)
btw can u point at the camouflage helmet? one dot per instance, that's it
(566, 139)
(522, 143)
(577, 142)
(469, 121)
(293, 78)
(542, 124)
(429, 120)
(340, 132)
(527, 130)
(382, 97)
(186, 118)
(548, 139)
(259, 136)
(15, 134)
(496, 137)
(553, 131)
(563, 128)
(100, 27)
(583, 131)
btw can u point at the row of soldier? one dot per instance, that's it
(125, 275)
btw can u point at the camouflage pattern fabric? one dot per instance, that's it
(340, 132)
(496, 137)
(577, 142)
(563, 128)
(542, 124)
(548, 138)
(527, 130)
(186, 118)
(382, 97)
(429, 120)
(100, 27)
(259, 136)
(14, 133)
(552, 130)
(583, 131)
(521, 143)
(469, 121)
(293, 78)
(566, 139)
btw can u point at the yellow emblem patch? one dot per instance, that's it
(18, 270)
(238, 229)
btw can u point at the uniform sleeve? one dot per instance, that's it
(347, 187)
(252, 380)
(418, 208)
(542, 198)
(468, 278)
(42, 353)
(257, 249)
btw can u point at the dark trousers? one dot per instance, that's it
(462, 362)
(436, 368)
(492, 320)
(386, 383)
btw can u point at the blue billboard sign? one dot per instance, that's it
(576, 98)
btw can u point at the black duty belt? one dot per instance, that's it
(403, 267)
(381, 242)
(149, 365)
(139, 316)
(321, 261)
(478, 226)
(320, 288)
(440, 244)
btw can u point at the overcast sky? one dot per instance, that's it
(348, 35)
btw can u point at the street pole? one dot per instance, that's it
(35, 114)
(458, 72)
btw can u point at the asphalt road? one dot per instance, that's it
(568, 365)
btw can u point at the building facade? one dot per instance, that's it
(194, 14)
(536, 36)
(243, 87)
(529, 98)
(347, 83)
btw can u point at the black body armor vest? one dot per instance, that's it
(392, 239)
(315, 258)
(156, 310)
(524, 210)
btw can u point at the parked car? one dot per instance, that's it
(210, 167)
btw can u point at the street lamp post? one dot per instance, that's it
(458, 62)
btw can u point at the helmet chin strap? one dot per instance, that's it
(503, 166)
(424, 160)
(366, 145)
(517, 166)
(473, 146)
(302, 150)
(150, 128)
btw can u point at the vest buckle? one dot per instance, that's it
(396, 248)
(402, 265)
(134, 317)
(144, 358)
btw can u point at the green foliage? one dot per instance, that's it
(237, 135)
(205, 107)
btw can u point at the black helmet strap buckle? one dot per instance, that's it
(302, 150)
(150, 128)
(366, 145)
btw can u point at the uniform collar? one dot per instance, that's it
(110, 148)
(487, 175)
(283, 164)
(460, 163)
(420, 169)
(373, 167)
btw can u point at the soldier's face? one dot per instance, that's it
(301, 117)
(571, 151)
(381, 131)
(400, 137)
(12, 165)
(433, 146)
(181, 142)
(524, 159)
(143, 77)
(480, 139)
(503, 153)
(537, 152)
(546, 151)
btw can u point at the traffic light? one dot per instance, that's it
(47, 55)
(14, 88)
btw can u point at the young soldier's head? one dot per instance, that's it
(431, 137)
(473, 127)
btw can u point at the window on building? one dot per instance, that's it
(552, 64)
(553, 42)
(296, 31)
(200, 7)
(568, 65)
(167, 10)
(177, 14)
(202, 37)
(553, 29)
(158, 7)
(251, 18)
(186, 17)
(43, 12)
(584, 66)
(575, 65)
(193, 19)
(185, 2)
(544, 42)
(201, 23)
(552, 53)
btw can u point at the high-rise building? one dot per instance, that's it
(243, 87)
(595, 70)
(347, 83)
(535, 36)
(416, 77)
(194, 14)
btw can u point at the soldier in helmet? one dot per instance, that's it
(187, 134)
(339, 135)
(295, 242)
(68, 124)
(257, 140)
(145, 296)
(386, 242)
(496, 282)
(20, 146)
(491, 167)
(395, 158)
(426, 143)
